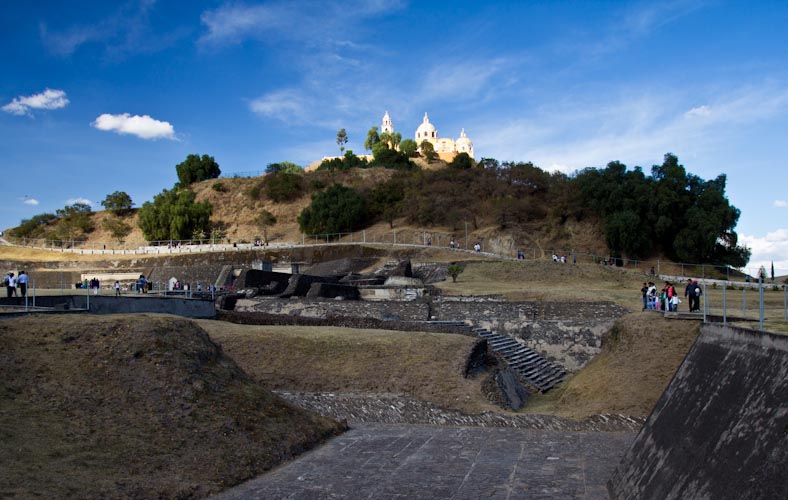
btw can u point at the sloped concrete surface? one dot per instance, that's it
(720, 430)
(374, 461)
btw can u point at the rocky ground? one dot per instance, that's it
(398, 409)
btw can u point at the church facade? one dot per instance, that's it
(446, 148)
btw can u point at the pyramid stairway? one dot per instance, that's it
(535, 369)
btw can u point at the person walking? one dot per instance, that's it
(689, 292)
(22, 283)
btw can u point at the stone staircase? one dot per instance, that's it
(537, 371)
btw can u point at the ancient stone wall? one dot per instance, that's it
(567, 333)
(316, 308)
(720, 429)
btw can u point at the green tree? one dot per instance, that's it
(372, 138)
(119, 203)
(455, 270)
(386, 200)
(462, 161)
(392, 139)
(286, 167)
(117, 228)
(347, 162)
(196, 169)
(390, 158)
(283, 186)
(408, 147)
(35, 227)
(341, 140)
(338, 209)
(74, 221)
(174, 215)
(428, 151)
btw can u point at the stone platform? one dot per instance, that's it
(379, 461)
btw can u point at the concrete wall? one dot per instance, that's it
(190, 308)
(720, 429)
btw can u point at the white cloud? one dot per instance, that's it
(700, 111)
(48, 99)
(83, 201)
(285, 105)
(31, 201)
(780, 203)
(143, 127)
(306, 21)
(767, 249)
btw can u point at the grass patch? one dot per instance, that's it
(638, 359)
(427, 366)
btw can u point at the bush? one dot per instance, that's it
(338, 209)
(219, 187)
(174, 215)
(283, 186)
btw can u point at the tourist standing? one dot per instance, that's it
(644, 292)
(10, 284)
(117, 288)
(22, 283)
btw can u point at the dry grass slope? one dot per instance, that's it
(638, 359)
(426, 366)
(134, 407)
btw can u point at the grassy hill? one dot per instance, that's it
(440, 204)
(136, 406)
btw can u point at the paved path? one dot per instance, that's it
(380, 461)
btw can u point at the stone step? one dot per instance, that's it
(535, 369)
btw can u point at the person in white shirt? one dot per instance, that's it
(11, 285)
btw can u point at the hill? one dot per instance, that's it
(137, 406)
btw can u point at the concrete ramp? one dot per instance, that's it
(720, 430)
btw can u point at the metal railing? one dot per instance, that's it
(462, 241)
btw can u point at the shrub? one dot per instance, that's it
(338, 209)
(219, 187)
(283, 186)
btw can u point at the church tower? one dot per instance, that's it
(386, 125)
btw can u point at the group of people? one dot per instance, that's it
(12, 283)
(668, 299)
(664, 300)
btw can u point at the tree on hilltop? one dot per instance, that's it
(119, 203)
(196, 169)
(408, 147)
(372, 138)
(341, 140)
(283, 167)
(428, 151)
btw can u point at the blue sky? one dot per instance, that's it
(104, 96)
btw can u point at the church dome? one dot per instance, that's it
(426, 131)
(463, 144)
